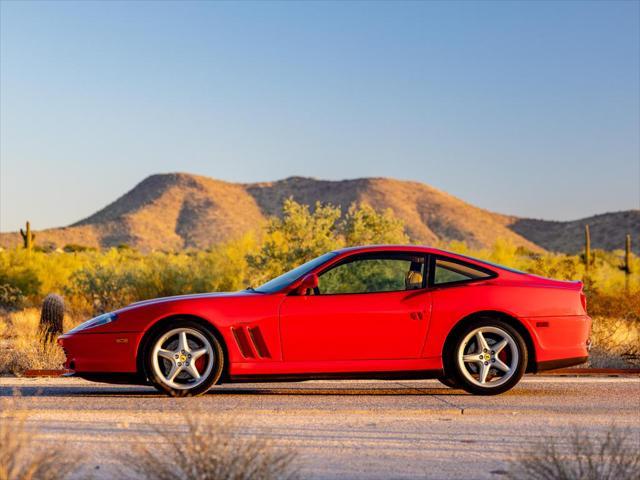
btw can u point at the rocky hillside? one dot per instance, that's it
(176, 211)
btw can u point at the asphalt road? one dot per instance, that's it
(350, 429)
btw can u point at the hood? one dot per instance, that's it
(193, 296)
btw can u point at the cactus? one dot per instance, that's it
(52, 316)
(587, 247)
(11, 298)
(28, 237)
(627, 255)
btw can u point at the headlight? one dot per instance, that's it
(95, 322)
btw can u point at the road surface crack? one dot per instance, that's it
(430, 394)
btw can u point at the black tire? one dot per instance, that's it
(205, 382)
(466, 380)
(449, 382)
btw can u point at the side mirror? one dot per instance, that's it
(308, 282)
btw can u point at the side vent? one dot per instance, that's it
(243, 342)
(258, 342)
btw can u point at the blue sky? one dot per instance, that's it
(530, 109)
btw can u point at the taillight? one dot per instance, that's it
(583, 299)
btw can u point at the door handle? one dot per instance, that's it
(416, 315)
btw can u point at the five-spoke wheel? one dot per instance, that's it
(184, 359)
(488, 358)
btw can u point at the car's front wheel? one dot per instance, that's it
(489, 357)
(184, 359)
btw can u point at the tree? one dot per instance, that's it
(299, 236)
(362, 225)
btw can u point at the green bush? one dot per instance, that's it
(105, 287)
(73, 247)
(17, 270)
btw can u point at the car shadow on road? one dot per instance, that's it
(56, 391)
(148, 392)
(402, 391)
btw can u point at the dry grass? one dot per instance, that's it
(611, 456)
(20, 459)
(208, 450)
(615, 303)
(22, 346)
(616, 343)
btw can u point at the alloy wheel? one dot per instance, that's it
(182, 358)
(488, 357)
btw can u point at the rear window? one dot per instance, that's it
(450, 271)
(497, 265)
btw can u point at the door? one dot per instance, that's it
(366, 307)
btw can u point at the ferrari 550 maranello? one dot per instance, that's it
(373, 312)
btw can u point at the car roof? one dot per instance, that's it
(425, 249)
(391, 248)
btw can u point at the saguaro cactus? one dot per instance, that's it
(52, 316)
(28, 237)
(587, 246)
(626, 266)
(627, 255)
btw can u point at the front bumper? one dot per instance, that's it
(100, 352)
(115, 377)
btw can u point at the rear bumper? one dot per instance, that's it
(560, 363)
(561, 340)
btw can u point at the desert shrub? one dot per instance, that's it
(106, 287)
(616, 328)
(224, 268)
(613, 455)
(616, 342)
(20, 459)
(37, 273)
(622, 304)
(17, 271)
(208, 450)
(161, 275)
(11, 297)
(24, 345)
(74, 247)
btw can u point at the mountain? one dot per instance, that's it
(607, 231)
(177, 210)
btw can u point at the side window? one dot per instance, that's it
(448, 271)
(370, 274)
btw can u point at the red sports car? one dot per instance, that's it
(366, 312)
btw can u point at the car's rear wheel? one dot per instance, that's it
(489, 357)
(184, 359)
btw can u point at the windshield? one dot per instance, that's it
(291, 276)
